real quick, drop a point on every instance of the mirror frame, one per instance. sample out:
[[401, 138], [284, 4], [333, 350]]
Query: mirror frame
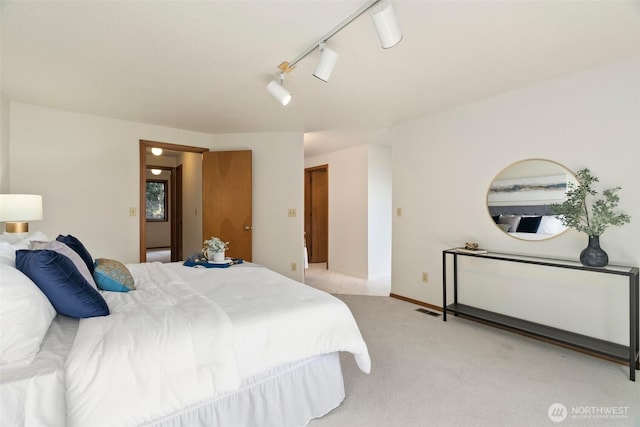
[[516, 192]]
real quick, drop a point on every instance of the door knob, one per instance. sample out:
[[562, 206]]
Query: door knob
[[248, 227]]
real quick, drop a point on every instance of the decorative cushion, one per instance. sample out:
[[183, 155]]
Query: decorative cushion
[[549, 224], [25, 316], [504, 227], [68, 252], [512, 220], [112, 275], [77, 246], [529, 224], [60, 280]]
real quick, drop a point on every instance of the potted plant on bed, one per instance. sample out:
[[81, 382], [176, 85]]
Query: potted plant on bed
[[214, 249], [584, 211]]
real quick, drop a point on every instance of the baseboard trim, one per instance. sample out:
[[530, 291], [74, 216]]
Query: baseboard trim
[[416, 302]]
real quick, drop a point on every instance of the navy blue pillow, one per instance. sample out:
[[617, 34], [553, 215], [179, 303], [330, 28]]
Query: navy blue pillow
[[59, 279], [529, 224], [77, 246]]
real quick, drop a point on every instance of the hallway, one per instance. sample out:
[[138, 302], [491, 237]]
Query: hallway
[[333, 282]]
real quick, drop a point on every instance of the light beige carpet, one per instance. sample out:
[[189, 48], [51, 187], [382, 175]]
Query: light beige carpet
[[159, 255], [334, 282], [460, 373]]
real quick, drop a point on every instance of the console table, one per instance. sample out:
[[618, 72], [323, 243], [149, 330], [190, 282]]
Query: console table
[[628, 354]]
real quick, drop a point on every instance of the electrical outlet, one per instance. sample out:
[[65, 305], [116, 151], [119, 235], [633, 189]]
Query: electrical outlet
[[292, 213], [132, 211], [425, 277], [294, 266]]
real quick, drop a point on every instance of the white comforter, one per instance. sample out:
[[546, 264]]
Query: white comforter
[[277, 320], [188, 334], [164, 347]]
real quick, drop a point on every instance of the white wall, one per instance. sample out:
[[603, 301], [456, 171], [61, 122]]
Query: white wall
[[278, 185], [4, 144], [87, 169], [348, 209], [192, 203], [443, 165], [380, 206], [359, 209], [4, 134]]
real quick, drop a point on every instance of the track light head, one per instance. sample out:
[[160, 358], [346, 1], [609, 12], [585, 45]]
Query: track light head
[[278, 91], [384, 19], [328, 59]]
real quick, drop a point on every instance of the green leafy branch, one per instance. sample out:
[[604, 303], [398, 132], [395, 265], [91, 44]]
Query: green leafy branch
[[583, 211]]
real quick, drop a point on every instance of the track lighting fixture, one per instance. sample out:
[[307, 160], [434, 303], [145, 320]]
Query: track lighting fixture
[[386, 26], [328, 59], [278, 91], [384, 19]]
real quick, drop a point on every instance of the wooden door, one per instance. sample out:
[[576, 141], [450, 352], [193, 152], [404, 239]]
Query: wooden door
[[316, 220], [227, 200]]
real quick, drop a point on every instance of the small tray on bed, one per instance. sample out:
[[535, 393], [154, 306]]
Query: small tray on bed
[[200, 262]]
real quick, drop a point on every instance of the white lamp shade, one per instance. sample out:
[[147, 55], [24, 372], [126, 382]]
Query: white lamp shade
[[20, 207], [384, 19], [278, 92], [328, 59]]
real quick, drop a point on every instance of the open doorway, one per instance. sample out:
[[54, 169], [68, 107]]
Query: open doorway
[[164, 208], [316, 216], [174, 162], [161, 213]]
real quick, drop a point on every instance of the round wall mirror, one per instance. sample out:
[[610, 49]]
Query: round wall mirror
[[520, 196]]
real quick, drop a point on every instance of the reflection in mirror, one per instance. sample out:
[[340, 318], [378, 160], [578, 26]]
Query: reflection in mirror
[[520, 196]]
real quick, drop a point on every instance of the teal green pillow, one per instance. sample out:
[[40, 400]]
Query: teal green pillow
[[111, 275]]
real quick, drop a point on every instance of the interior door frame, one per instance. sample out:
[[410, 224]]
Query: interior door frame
[[143, 146], [307, 213]]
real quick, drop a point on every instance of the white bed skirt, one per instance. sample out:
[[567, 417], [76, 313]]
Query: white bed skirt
[[287, 396]]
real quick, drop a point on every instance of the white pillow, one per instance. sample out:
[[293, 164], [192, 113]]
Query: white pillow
[[9, 245], [549, 224], [7, 254], [512, 220], [25, 316], [65, 250], [19, 241]]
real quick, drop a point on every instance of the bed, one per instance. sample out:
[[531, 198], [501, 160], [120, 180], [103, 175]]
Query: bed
[[527, 222], [189, 346]]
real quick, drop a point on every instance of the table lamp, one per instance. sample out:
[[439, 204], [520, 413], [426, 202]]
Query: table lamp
[[16, 210]]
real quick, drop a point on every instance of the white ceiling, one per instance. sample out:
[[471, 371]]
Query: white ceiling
[[204, 65]]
